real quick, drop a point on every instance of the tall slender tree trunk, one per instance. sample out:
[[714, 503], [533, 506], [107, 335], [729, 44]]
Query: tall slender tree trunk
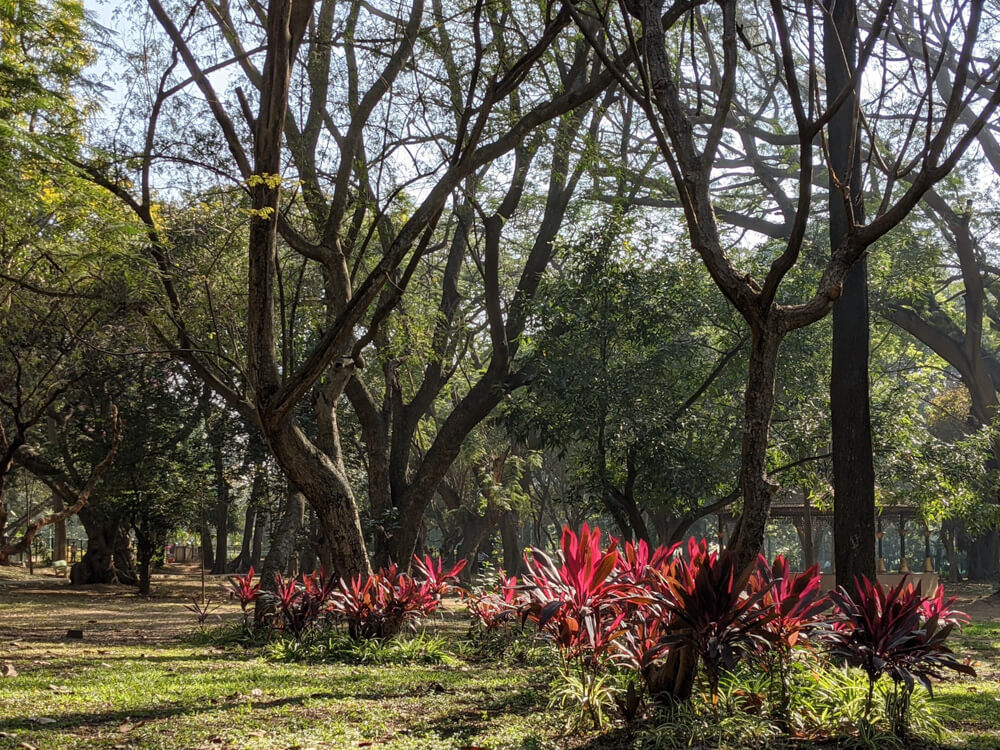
[[58, 529], [257, 545], [221, 503], [282, 545], [854, 521], [207, 551]]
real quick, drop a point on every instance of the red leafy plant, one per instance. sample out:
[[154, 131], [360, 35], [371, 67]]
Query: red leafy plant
[[713, 614], [574, 599], [896, 632], [244, 590], [491, 610], [795, 604], [437, 578], [383, 603]]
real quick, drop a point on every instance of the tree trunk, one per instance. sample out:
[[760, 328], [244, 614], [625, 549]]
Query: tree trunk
[[757, 490], [108, 558], [326, 488], [850, 402], [948, 539], [243, 561], [257, 546], [221, 504], [207, 551], [58, 529], [282, 546], [510, 536], [984, 556]]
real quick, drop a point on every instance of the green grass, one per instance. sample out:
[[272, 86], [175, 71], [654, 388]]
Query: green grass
[[192, 696], [132, 684], [971, 708]]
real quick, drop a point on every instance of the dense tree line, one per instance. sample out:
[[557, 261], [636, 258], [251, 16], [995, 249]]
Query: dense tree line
[[349, 280]]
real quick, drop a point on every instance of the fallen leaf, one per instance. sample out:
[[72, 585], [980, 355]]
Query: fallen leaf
[[256, 692], [7, 670], [43, 720], [61, 689]]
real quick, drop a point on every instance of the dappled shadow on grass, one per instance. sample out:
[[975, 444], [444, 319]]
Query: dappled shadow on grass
[[474, 711], [165, 710]]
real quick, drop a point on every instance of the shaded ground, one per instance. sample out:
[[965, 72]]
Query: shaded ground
[[132, 682]]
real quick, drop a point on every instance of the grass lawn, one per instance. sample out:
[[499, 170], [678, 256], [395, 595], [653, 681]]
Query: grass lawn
[[134, 682]]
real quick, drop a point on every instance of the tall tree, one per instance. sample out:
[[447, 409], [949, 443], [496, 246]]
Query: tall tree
[[351, 221], [674, 98], [850, 400]]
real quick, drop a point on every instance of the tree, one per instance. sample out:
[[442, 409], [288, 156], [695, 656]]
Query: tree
[[350, 222], [850, 401], [689, 143]]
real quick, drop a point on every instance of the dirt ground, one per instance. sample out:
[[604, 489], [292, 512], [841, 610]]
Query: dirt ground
[[106, 613], [109, 613]]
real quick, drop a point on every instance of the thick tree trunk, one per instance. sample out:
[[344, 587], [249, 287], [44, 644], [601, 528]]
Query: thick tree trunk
[[850, 402], [984, 556], [108, 558]]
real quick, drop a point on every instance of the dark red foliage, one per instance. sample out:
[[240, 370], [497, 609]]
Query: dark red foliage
[[575, 600], [383, 603], [896, 632], [434, 574], [243, 589], [712, 611], [794, 601], [636, 559], [492, 610]]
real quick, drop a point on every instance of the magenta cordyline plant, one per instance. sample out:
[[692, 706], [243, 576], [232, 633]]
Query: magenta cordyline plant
[[245, 591], [574, 599], [896, 632], [385, 602], [714, 615], [439, 580], [492, 610], [796, 604]]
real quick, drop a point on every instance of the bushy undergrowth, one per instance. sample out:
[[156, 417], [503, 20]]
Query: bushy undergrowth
[[728, 652], [679, 643]]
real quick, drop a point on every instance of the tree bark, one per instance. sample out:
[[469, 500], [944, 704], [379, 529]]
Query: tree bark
[[755, 486], [243, 561], [850, 401], [510, 536], [984, 556], [221, 504], [207, 551], [282, 546], [58, 529]]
